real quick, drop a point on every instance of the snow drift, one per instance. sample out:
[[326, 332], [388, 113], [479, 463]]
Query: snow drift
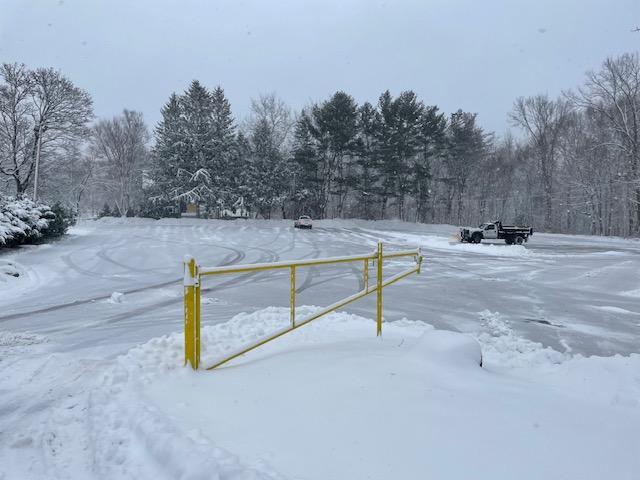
[[333, 401]]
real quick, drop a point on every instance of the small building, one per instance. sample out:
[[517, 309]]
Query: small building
[[191, 210], [238, 210]]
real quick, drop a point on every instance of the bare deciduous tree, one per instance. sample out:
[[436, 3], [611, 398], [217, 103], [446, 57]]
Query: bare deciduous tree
[[61, 112], [614, 92], [39, 111], [16, 135], [120, 146], [544, 120], [270, 110]]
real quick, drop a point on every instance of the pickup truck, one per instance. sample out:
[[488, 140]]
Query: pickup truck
[[496, 231], [303, 222]]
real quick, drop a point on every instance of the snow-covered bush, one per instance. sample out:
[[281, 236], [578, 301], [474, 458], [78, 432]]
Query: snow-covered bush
[[106, 211], [24, 221], [65, 217]]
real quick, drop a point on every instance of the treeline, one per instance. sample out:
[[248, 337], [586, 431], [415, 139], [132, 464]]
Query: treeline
[[337, 159], [573, 166]]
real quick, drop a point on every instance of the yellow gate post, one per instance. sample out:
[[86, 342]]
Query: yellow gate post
[[365, 274], [292, 296], [191, 313], [197, 319], [379, 292]]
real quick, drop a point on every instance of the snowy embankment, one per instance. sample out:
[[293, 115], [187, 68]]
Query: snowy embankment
[[333, 401]]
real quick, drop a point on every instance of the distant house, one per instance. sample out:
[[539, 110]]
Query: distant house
[[191, 210], [238, 210]]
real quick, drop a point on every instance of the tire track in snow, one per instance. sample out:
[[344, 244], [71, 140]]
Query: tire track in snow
[[230, 259], [270, 256]]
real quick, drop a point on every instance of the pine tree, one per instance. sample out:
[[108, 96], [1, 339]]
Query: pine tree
[[106, 211], [387, 163], [400, 141], [467, 146], [197, 172], [222, 138], [325, 140], [167, 158], [367, 158], [268, 168], [433, 136]]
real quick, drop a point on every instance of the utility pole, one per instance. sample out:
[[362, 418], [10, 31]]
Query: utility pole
[[38, 132]]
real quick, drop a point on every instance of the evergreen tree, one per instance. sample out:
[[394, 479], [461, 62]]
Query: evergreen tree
[[407, 142], [269, 173], [106, 211], [307, 175], [387, 163], [222, 138], [196, 172], [467, 146], [337, 122], [433, 135], [324, 142], [400, 141], [167, 158], [367, 159]]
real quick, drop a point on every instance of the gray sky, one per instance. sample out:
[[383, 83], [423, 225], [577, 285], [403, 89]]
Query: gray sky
[[477, 55]]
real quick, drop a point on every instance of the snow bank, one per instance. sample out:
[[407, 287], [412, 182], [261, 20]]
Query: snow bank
[[448, 244], [162, 355], [502, 346], [411, 404]]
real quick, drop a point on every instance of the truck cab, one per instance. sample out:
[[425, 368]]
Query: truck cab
[[489, 231]]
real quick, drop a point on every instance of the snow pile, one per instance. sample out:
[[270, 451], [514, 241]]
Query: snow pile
[[19, 339], [444, 243], [501, 346], [15, 343], [138, 430], [22, 221], [8, 272], [116, 297], [161, 355], [411, 404], [632, 293]]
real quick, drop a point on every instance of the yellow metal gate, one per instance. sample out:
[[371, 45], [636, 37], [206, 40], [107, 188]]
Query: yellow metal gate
[[193, 275]]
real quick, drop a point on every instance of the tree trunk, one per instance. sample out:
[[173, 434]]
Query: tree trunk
[[383, 207], [638, 210]]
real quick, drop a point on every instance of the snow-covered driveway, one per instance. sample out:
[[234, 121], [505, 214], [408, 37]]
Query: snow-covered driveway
[[110, 285]]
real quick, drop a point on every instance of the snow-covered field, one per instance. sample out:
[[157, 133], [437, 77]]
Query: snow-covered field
[[92, 384]]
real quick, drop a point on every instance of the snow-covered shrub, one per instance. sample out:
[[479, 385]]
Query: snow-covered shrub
[[64, 218], [106, 211], [24, 221]]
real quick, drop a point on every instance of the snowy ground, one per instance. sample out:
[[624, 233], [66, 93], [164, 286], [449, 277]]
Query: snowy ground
[[331, 401]]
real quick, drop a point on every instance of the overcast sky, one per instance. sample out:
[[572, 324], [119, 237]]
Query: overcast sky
[[477, 55]]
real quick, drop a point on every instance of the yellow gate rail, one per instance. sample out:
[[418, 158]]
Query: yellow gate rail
[[193, 278]]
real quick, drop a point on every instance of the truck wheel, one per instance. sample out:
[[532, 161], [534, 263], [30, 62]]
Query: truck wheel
[[476, 238], [519, 240]]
